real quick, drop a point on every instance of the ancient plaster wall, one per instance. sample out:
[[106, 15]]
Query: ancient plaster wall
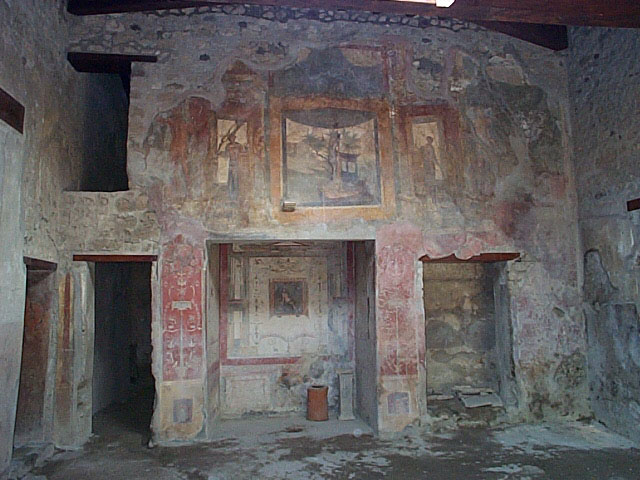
[[467, 130], [74, 356], [213, 335], [287, 324], [605, 86], [113, 222], [35, 397], [505, 361], [12, 284], [366, 378], [178, 340], [38, 165], [460, 326]]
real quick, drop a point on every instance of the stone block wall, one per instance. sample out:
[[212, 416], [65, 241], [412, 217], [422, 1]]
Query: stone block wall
[[605, 87], [36, 166]]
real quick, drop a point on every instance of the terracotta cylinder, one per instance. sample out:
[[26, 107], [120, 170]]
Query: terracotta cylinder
[[317, 407]]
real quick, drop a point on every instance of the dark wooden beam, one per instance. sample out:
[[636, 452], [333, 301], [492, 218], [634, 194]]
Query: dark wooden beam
[[40, 265], [554, 37], [115, 258], [605, 13], [11, 111], [106, 62], [100, 7], [633, 205], [482, 258]]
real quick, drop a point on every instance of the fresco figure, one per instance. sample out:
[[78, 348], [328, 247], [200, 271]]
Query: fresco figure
[[333, 165], [426, 156], [432, 168], [233, 151], [287, 306], [288, 298], [334, 154]]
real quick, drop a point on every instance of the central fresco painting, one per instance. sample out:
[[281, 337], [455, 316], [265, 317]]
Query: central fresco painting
[[331, 157]]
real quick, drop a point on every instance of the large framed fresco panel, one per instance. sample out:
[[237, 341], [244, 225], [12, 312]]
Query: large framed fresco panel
[[331, 157], [430, 140]]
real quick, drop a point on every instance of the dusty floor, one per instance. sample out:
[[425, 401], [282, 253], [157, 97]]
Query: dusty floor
[[293, 448]]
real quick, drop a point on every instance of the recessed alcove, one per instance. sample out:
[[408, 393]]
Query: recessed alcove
[[283, 315], [468, 335]]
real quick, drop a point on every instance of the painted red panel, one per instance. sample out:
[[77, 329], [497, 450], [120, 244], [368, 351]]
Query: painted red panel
[[35, 352], [182, 338], [397, 249]]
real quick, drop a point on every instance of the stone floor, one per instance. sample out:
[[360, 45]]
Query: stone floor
[[293, 448]]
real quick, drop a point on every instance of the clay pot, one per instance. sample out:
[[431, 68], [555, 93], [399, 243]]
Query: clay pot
[[317, 407]]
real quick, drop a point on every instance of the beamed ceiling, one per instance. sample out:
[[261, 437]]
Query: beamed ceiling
[[542, 22]]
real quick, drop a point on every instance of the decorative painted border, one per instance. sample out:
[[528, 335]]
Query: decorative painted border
[[319, 214], [225, 249]]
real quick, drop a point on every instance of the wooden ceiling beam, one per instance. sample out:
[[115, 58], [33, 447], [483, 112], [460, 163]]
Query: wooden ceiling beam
[[114, 258], [11, 111], [621, 13], [35, 264], [555, 37], [106, 62]]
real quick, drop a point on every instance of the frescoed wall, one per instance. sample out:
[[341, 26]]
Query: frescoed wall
[[287, 316], [431, 138]]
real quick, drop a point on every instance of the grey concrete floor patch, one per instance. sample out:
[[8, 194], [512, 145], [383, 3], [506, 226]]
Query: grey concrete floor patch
[[261, 448], [533, 438]]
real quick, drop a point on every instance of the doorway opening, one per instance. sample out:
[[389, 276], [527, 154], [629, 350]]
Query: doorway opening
[[106, 97], [35, 394], [285, 315], [123, 389], [469, 355]]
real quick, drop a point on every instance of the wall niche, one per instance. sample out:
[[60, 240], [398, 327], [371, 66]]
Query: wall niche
[[469, 359]]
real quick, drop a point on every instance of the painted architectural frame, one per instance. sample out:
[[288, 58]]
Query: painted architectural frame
[[431, 142], [332, 157]]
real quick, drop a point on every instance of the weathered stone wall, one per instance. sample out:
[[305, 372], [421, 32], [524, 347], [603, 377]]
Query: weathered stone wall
[[36, 166], [366, 378], [109, 222], [460, 324], [466, 150], [12, 284], [35, 398], [212, 381], [604, 70]]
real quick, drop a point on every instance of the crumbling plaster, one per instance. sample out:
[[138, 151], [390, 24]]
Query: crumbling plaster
[[35, 168], [508, 184], [605, 86]]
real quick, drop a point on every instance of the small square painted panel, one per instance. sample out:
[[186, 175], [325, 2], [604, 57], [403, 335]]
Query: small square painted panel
[[288, 297]]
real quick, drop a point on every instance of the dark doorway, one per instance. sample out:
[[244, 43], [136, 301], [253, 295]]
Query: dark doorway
[[123, 386], [34, 394]]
